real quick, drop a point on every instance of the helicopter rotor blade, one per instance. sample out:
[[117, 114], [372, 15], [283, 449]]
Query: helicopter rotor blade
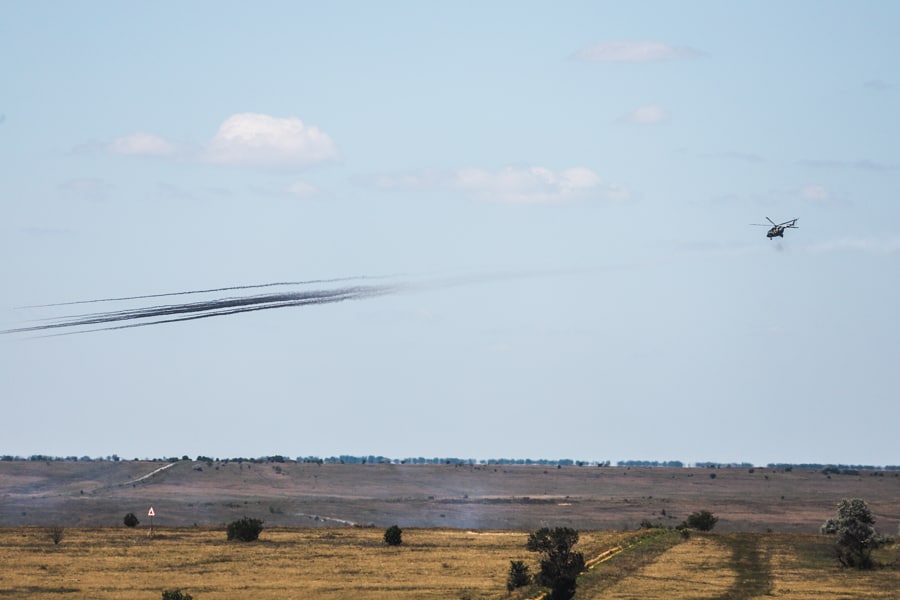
[[771, 221]]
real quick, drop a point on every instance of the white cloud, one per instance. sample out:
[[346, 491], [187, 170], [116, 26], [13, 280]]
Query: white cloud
[[141, 144], [535, 185], [646, 115], [260, 140], [301, 189], [634, 52], [247, 139]]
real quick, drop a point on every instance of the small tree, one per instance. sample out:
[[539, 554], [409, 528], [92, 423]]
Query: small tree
[[518, 575], [701, 520], [245, 529], [855, 534], [560, 565], [176, 595], [56, 534], [131, 520], [393, 536]]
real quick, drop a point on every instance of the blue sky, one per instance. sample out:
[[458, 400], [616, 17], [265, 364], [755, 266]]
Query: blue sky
[[557, 195]]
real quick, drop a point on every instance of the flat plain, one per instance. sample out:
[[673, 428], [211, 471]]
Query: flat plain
[[352, 562], [188, 493], [461, 526]]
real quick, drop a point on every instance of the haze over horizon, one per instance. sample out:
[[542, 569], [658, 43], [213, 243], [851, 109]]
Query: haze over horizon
[[513, 229]]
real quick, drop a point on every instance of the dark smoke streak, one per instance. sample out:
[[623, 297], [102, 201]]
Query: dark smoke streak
[[189, 311], [173, 313], [209, 291]]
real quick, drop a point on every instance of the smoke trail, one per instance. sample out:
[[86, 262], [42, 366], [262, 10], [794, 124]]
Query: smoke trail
[[187, 311], [171, 313], [210, 290]]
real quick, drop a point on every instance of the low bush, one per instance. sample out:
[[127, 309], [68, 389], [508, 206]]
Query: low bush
[[393, 536], [701, 520], [56, 534], [245, 529], [518, 575]]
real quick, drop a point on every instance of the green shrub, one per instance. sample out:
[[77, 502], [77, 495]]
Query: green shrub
[[176, 595], [560, 564], [518, 575], [131, 520], [245, 529], [855, 534], [393, 536]]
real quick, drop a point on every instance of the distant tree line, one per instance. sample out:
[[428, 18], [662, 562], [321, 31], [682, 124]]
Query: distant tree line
[[371, 459], [833, 468], [46, 458], [650, 463]]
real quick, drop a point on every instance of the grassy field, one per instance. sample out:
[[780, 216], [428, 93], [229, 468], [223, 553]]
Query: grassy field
[[739, 566], [317, 563]]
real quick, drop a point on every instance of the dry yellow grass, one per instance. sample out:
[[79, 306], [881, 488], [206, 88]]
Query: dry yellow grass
[[737, 566], [125, 564], [795, 557], [693, 570]]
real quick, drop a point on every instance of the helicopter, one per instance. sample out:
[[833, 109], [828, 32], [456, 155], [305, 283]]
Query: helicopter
[[777, 229]]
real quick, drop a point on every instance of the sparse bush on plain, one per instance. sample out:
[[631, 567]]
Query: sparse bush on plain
[[131, 520], [246, 529], [702, 520], [393, 536], [648, 524], [56, 534], [518, 575], [176, 595], [855, 534]]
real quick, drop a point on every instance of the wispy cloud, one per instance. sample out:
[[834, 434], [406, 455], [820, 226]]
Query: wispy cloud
[[650, 114], [635, 52], [513, 185], [142, 144], [871, 245], [748, 157], [245, 139], [301, 189], [815, 193], [878, 85], [87, 188], [862, 164]]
